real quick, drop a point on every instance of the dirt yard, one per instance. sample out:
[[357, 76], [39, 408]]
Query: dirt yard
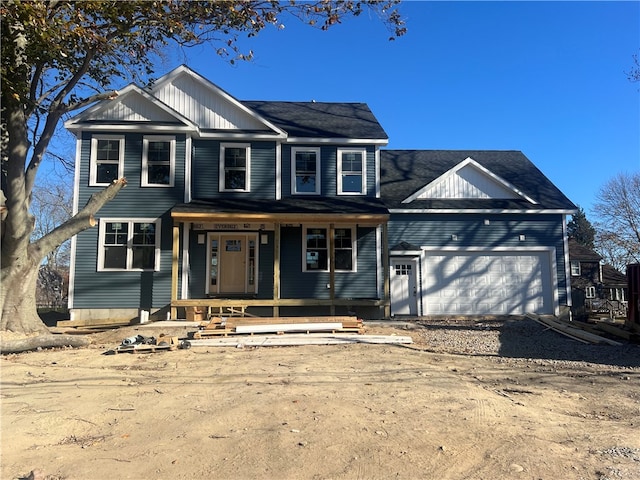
[[501, 400]]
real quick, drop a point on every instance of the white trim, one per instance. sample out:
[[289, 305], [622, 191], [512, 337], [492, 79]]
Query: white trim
[[481, 210], [294, 173], [567, 267], [184, 291], [278, 171], [74, 239], [470, 161], [247, 173], [129, 260], [187, 169], [183, 69], [377, 170], [305, 228], [339, 141], [93, 162], [363, 188], [551, 251], [131, 89], [227, 134], [354, 248], [144, 177]]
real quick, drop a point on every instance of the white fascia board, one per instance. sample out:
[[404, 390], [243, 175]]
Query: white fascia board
[[404, 253], [481, 210], [138, 128], [184, 70], [241, 135], [338, 141], [488, 249], [472, 162], [75, 122]]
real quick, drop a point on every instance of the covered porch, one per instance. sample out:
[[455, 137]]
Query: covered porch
[[215, 225]]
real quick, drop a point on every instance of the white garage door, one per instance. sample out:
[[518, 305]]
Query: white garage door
[[487, 283]]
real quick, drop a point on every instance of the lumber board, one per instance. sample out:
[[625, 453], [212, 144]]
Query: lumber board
[[301, 339], [288, 327], [572, 332], [143, 348], [97, 323], [617, 331]]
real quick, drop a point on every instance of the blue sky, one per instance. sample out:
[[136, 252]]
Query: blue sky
[[546, 78]]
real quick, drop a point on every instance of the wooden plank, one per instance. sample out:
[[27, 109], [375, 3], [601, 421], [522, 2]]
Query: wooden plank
[[272, 320], [304, 339], [144, 348], [572, 332], [288, 327], [102, 322], [617, 331]]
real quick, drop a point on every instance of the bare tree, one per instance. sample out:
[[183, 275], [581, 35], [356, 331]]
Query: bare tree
[[618, 220]]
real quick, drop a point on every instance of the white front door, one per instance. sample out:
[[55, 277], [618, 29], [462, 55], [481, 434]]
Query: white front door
[[403, 286]]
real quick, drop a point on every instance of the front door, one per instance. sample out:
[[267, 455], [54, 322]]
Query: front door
[[233, 264], [403, 286]]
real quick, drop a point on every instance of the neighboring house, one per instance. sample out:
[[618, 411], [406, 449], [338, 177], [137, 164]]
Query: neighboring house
[[596, 287], [291, 208]]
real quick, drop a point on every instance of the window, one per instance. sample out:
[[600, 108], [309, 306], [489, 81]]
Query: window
[[590, 292], [351, 172], [344, 251], [316, 249], [234, 167], [158, 161], [305, 171], [129, 245], [403, 269], [107, 159], [575, 268]]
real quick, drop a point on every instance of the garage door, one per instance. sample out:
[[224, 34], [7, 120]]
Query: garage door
[[487, 283]]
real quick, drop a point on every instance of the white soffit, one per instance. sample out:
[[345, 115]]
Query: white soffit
[[130, 105], [468, 180], [207, 105]]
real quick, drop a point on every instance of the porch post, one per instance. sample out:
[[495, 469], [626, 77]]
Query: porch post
[[332, 269], [385, 269], [276, 269], [174, 269]]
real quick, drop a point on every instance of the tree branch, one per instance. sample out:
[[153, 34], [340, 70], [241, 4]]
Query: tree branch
[[82, 220]]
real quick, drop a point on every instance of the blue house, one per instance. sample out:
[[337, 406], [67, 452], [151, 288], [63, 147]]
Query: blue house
[[294, 208]]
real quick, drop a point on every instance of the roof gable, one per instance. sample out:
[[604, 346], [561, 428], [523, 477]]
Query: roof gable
[[468, 180], [130, 105], [206, 104]]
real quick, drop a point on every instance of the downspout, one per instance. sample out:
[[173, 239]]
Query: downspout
[[567, 266]]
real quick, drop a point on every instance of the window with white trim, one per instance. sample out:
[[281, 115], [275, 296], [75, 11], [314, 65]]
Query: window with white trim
[[235, 161], [575, 268], [129, 245], [316, 249], [352, 171], [158, 161], [107, 159], [305, 171], [590, 292]]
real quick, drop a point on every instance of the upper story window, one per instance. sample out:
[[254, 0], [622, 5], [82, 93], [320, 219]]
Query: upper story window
[[352, 171], [107, 159], [158, 161], [235, 161], [575, 268], [590, 292], [305, 171], [317, 254], [129, 244]]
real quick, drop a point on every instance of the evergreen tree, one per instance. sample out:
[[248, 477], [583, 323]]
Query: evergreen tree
[[581, 230]]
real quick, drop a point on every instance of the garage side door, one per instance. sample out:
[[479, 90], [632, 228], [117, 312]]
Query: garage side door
[[487, 283]]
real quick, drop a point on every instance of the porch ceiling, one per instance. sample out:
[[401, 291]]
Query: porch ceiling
[[290, 210]]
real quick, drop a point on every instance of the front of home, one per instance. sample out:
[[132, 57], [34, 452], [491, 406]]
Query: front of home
[[294, 208]]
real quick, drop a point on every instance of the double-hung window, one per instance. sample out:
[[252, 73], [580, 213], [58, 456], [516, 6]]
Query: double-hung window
[[305, 171], [158, 161], [316, 250], [107, 159], [129, 244], [575, 268], [235, 161], [352, 173]]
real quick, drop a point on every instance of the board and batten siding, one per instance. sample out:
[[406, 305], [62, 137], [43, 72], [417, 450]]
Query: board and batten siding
[[127, 289], [503, 230], [206, 163]]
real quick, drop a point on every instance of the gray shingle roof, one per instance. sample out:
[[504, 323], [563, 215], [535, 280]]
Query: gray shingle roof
[[403, 172], [321, 120]]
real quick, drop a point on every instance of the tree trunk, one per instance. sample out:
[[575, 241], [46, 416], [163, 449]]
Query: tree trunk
[[19, 313]]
